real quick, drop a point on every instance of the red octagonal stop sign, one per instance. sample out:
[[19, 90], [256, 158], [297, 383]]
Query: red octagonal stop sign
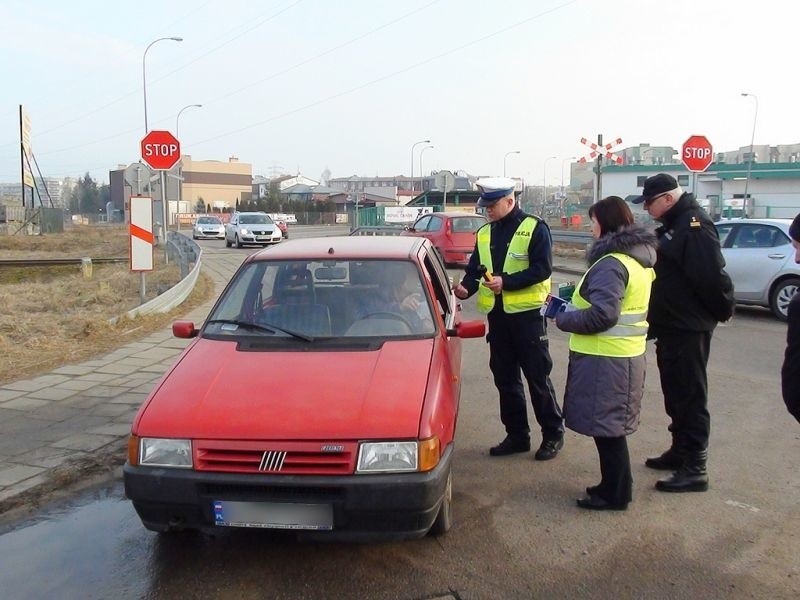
[[161, 150], [697, 153]]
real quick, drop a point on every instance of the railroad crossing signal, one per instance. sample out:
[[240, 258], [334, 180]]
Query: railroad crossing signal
[[602, 150]]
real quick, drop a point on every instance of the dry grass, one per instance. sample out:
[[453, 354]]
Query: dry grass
[[55, 316]]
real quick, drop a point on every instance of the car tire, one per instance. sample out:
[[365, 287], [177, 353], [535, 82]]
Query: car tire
[[781, 295], [236, 242], [227, 243], [444, 518]]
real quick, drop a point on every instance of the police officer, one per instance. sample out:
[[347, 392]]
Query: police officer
[[691, 294], [510, 270]]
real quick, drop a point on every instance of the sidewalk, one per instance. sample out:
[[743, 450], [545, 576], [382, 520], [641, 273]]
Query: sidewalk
[[74, 421]]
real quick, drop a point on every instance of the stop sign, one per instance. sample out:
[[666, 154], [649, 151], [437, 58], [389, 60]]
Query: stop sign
[[161, 150], [697, 153]]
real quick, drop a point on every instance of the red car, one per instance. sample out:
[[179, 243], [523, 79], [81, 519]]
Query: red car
[[451, 233], [321, 394]]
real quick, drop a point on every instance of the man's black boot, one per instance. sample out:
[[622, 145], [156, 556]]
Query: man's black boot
[[690, 477], [671, 460], [510, 446]]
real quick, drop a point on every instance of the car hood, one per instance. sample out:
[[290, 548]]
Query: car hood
[[217, 392]]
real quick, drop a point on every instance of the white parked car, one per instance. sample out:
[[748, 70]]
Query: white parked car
[[208, 227], [759, 258], [251, 228]]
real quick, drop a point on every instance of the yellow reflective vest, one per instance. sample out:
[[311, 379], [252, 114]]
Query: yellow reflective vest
[[517, 259], [628, 337]]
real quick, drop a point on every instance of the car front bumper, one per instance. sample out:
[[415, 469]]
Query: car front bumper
[[379, 506]]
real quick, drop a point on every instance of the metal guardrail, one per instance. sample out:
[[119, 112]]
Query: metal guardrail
[[572, 237], [55, 262]]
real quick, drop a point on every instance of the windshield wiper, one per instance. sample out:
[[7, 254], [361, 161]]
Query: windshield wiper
[[268, 327]]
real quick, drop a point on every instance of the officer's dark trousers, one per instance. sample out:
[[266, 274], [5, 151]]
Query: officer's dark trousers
[[616, 485], [682, 361], [518, 342]]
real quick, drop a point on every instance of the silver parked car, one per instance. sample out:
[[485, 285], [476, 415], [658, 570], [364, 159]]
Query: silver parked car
[[208, 227], [760, 259], [251, 228]]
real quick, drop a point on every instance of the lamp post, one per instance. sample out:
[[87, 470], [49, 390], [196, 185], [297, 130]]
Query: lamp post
[[414, 145], [749, 162], [421, 152], [146, 130], [177, 118], [144, 74], [544, 180], [180, 162], [562, 169], [505, 157]]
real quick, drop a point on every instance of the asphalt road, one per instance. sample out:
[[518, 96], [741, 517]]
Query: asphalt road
[[517, 531]]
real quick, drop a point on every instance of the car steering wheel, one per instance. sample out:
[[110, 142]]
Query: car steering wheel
[[390, 315]]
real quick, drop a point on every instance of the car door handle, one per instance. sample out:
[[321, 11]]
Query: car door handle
[[776, 256]]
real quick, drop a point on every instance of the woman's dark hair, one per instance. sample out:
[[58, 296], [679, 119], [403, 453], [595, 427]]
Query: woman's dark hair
[[611, 213]]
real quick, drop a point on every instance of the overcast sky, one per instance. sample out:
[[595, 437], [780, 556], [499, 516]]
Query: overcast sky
[[351, 85]]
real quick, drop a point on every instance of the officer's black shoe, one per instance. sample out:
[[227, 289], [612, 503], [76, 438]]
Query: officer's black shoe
[[593, 502], [549, 449], [690, 477], [671, 460], [510, 446]]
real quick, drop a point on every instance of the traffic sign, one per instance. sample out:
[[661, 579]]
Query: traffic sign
[[161, 150], [697, 153]]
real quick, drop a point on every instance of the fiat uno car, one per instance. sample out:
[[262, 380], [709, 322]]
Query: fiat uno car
[[451, 233], [321, 395]]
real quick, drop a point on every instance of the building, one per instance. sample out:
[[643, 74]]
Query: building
[[218, 184]]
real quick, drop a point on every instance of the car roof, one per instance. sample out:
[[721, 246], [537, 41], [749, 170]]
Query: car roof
[[252, 212], [456, 214], [784, 223], [350, 247]]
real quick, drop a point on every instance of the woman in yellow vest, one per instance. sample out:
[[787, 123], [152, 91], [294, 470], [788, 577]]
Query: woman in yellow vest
[[608, 322]]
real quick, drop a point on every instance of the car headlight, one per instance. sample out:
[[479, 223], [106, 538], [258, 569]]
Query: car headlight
[[159, 452], [244, 231], [398, 456]]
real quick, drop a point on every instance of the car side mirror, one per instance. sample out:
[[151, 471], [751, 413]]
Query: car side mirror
[[468, 329], [184, 329]]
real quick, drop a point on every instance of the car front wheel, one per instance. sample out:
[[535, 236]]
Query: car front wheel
[[444, 519], [236, 242], [781, 296]]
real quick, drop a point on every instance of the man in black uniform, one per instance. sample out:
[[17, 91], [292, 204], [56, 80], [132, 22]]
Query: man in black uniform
[[790, 371], [510, 270], [691, 294]]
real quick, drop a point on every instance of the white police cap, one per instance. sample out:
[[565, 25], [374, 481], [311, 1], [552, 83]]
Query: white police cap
[[494, 188]]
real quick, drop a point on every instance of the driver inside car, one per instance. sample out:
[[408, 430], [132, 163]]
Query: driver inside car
[[397, 292]]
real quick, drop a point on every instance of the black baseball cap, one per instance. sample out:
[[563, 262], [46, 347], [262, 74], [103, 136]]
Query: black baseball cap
[[655, 185]]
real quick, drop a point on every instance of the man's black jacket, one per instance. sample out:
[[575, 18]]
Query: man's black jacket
[[692, 291]]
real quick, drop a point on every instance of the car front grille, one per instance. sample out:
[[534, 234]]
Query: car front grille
[[275, 458]]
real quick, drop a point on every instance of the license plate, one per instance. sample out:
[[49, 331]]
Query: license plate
[[262, 237], [273, 515]]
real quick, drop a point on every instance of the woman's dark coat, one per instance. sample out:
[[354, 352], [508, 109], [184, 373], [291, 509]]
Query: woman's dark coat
[[604, 394]]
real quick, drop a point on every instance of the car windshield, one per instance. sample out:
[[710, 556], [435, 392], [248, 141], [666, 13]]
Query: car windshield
[[208, 221], [254, 220], [467, 224], [330, 299]]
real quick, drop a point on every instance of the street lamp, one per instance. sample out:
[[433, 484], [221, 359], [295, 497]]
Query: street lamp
[[504, 160], [544, 180], [144, 77], [414, 145], [180, 162], [562, 169], [749, 162], [177, 118], [421, 152]]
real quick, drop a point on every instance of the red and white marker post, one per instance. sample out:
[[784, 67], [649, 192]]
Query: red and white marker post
[[141, 239]]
